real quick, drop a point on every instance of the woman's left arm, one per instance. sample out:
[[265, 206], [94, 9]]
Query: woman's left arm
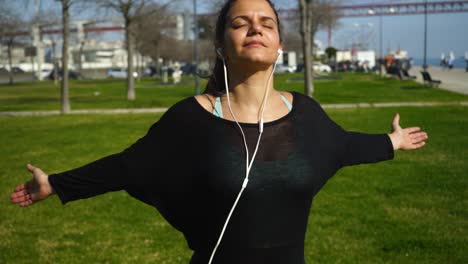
[[406, 138], [361, 148]]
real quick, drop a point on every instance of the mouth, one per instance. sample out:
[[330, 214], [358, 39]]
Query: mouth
[[254, 43]]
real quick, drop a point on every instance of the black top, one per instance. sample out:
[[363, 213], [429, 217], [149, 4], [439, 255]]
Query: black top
[[191, 165]]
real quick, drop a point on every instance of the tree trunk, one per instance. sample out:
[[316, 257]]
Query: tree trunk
[[54, 62], [307, 44], [80, 59], [10, 63], [66, 31], [130, 80]]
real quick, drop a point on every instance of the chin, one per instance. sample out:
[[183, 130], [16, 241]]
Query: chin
[[257, 59]]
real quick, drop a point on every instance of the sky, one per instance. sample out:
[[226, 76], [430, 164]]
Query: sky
[[446, 32]]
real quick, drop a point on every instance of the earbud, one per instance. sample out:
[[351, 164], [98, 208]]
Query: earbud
[[280, 51], [220, 52]]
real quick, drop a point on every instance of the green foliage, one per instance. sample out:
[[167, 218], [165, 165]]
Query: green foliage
[[331, 52]]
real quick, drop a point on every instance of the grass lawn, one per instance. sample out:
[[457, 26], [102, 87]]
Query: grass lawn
[[97, 94], [408, 210]]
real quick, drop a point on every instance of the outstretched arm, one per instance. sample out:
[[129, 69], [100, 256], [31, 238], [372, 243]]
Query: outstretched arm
[[406, 138], [33, 191]]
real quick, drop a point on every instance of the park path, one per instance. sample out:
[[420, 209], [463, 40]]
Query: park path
[[162, 110], [455, 80]]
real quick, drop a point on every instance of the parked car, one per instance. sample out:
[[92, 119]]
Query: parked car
[[44, 74], [320, 67], [149, 71], [71, 75], [281, 68], [317, 66], [17, 70], [188, 69], [119, 73]]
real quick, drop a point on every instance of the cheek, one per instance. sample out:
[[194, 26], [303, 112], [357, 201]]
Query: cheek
[[232, 42]]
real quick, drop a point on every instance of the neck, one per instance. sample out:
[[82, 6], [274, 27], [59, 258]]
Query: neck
[[247, 86]]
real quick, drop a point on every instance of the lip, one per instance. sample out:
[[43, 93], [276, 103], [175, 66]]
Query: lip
[[254, 43]]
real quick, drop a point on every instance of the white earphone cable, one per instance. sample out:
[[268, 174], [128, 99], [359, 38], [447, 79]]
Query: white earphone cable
[[249, 163]]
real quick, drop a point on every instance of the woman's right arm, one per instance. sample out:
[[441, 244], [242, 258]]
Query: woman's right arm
[[143, 165], [34, 190]]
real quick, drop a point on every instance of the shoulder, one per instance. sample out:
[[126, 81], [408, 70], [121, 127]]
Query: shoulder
[[206, 101], [305, 102], [181, 110]]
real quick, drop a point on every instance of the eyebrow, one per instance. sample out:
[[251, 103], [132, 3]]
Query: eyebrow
[[263, 18]]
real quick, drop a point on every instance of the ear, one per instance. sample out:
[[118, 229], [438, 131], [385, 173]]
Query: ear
[[280, 49]]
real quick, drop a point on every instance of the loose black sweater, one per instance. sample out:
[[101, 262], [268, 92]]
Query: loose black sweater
[[191, 164]]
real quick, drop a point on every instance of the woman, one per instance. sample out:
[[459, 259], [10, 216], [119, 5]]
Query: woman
[[204, 182]]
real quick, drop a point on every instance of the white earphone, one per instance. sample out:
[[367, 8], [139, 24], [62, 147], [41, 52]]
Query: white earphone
[[249, 162]]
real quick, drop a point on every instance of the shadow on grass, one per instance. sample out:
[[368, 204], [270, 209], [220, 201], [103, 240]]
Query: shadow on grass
[[319, 78], [414, 87]]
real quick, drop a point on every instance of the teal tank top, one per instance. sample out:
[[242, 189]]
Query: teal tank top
[[218, 110]]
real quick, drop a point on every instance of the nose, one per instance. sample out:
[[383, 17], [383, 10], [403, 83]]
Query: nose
[[255, 29]]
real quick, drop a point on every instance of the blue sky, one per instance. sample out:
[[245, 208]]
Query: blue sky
[[446, 32]]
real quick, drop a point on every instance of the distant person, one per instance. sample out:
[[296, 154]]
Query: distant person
[[450, 60], [466, 61], [177, 74], [443, 61], [241, 135]]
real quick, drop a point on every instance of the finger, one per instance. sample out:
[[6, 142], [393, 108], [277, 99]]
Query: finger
[[412, 129], [19, 194], [21, 199], [30, 167], [20, 187], [396, 121], [420, 135], [34, 170], [26, 203], [418, 145]]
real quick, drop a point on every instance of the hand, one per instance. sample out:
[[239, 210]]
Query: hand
[[406, 138], [34, 190]]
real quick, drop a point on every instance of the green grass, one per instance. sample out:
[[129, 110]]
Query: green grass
[[408, 210], [103, 94]]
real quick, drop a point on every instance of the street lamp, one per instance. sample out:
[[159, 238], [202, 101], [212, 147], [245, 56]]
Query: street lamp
[[195, 46], [425, 35], [372, 12]]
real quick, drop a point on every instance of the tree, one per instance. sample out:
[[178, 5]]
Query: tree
[[313, 15], [154, 18], [130, 10], [65, 98], [10, 24], [331, 52]]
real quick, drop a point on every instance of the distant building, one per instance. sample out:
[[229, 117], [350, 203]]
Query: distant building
[[359, 56]]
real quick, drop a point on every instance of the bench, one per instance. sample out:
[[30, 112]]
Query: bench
[[428, 81]]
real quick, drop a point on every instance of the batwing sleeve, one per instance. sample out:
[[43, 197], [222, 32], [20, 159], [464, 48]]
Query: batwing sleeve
[[353, 148], [141, 169]]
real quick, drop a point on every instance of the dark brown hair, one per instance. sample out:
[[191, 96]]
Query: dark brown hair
[[216, 86]]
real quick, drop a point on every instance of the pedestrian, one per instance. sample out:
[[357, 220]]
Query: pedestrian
[[443, 61], [236, 168], [450, 60], [466, 61]]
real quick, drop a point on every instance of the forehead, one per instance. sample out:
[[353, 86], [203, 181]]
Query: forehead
[[251, 8]]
